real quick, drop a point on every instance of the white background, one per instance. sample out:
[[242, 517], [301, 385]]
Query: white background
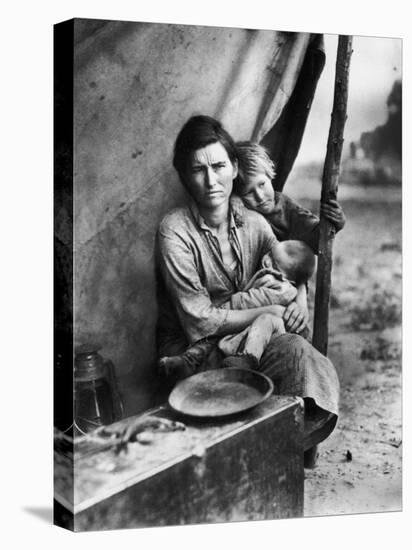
[[26, 272]]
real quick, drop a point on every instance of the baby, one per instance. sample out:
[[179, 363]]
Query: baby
[[297, 229], [290, 264]]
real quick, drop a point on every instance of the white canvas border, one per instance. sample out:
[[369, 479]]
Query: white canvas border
[[26, 228]]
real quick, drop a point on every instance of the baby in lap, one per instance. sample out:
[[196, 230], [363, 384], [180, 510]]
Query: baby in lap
[[290, 265]]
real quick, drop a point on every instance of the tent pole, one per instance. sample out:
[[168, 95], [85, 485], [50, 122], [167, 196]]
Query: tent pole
[[329, 191]]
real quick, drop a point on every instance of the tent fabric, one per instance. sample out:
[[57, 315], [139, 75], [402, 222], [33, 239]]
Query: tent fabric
[[284, 138], [135, 84]]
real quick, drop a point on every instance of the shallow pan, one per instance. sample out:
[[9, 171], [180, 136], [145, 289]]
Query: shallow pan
[[220, 392]]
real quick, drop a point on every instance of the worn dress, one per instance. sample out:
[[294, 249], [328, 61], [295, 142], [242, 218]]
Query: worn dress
[[194, 283]]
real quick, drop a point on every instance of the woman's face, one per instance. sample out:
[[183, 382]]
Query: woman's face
[[210, 175], [258, 193]]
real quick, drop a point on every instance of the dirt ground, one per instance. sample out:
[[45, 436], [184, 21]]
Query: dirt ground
[[359, 467]]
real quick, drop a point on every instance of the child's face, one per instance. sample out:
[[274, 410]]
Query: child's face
[[258, 193]]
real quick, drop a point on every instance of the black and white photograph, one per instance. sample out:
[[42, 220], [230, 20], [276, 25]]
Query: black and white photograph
[[205, 274], [228, 274]]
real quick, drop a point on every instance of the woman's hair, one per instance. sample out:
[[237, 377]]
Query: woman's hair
[[198, 132], [252, 159]]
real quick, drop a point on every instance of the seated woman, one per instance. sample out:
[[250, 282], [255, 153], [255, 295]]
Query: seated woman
[[208, 251], [292, 264]]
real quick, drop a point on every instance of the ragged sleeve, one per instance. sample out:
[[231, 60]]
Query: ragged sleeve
[[303, 224]]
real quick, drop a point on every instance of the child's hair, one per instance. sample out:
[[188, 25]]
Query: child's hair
[[296, 260], [252, 159]]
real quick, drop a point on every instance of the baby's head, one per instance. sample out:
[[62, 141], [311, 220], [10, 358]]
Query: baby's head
[[296, 260], [254, 181]]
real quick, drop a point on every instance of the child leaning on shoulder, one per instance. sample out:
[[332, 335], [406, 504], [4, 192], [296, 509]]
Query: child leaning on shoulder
[[297, 229], [288, 219]]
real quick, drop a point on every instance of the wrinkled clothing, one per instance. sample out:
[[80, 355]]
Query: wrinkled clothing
[[297, 368], [290, 220], [252, 297], [195, 283], [195, 286], [252, 341]]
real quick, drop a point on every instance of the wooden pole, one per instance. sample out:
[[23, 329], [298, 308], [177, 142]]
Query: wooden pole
[[329, 191]]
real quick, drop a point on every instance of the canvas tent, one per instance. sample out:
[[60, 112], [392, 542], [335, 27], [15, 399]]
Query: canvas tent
[[135, 84]]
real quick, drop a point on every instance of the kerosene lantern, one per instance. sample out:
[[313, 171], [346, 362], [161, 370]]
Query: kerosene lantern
[[97, 400]]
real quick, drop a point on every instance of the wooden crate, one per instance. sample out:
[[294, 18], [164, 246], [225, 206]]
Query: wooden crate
[[247, 468]]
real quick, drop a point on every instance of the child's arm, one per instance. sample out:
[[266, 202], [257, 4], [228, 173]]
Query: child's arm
[[333, 212], [304, 225]]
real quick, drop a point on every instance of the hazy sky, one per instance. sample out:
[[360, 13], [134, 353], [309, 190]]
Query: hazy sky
[[375, 65]]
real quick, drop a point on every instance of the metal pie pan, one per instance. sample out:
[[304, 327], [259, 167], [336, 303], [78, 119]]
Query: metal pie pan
[[220, 392]]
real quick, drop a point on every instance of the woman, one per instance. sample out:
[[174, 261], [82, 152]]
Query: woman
[[209, 250]]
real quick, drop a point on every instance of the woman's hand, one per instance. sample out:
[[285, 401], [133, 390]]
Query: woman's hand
[[295, 318], [333, 212]]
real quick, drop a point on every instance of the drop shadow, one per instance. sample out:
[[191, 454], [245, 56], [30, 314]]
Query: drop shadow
[[44, 513]]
